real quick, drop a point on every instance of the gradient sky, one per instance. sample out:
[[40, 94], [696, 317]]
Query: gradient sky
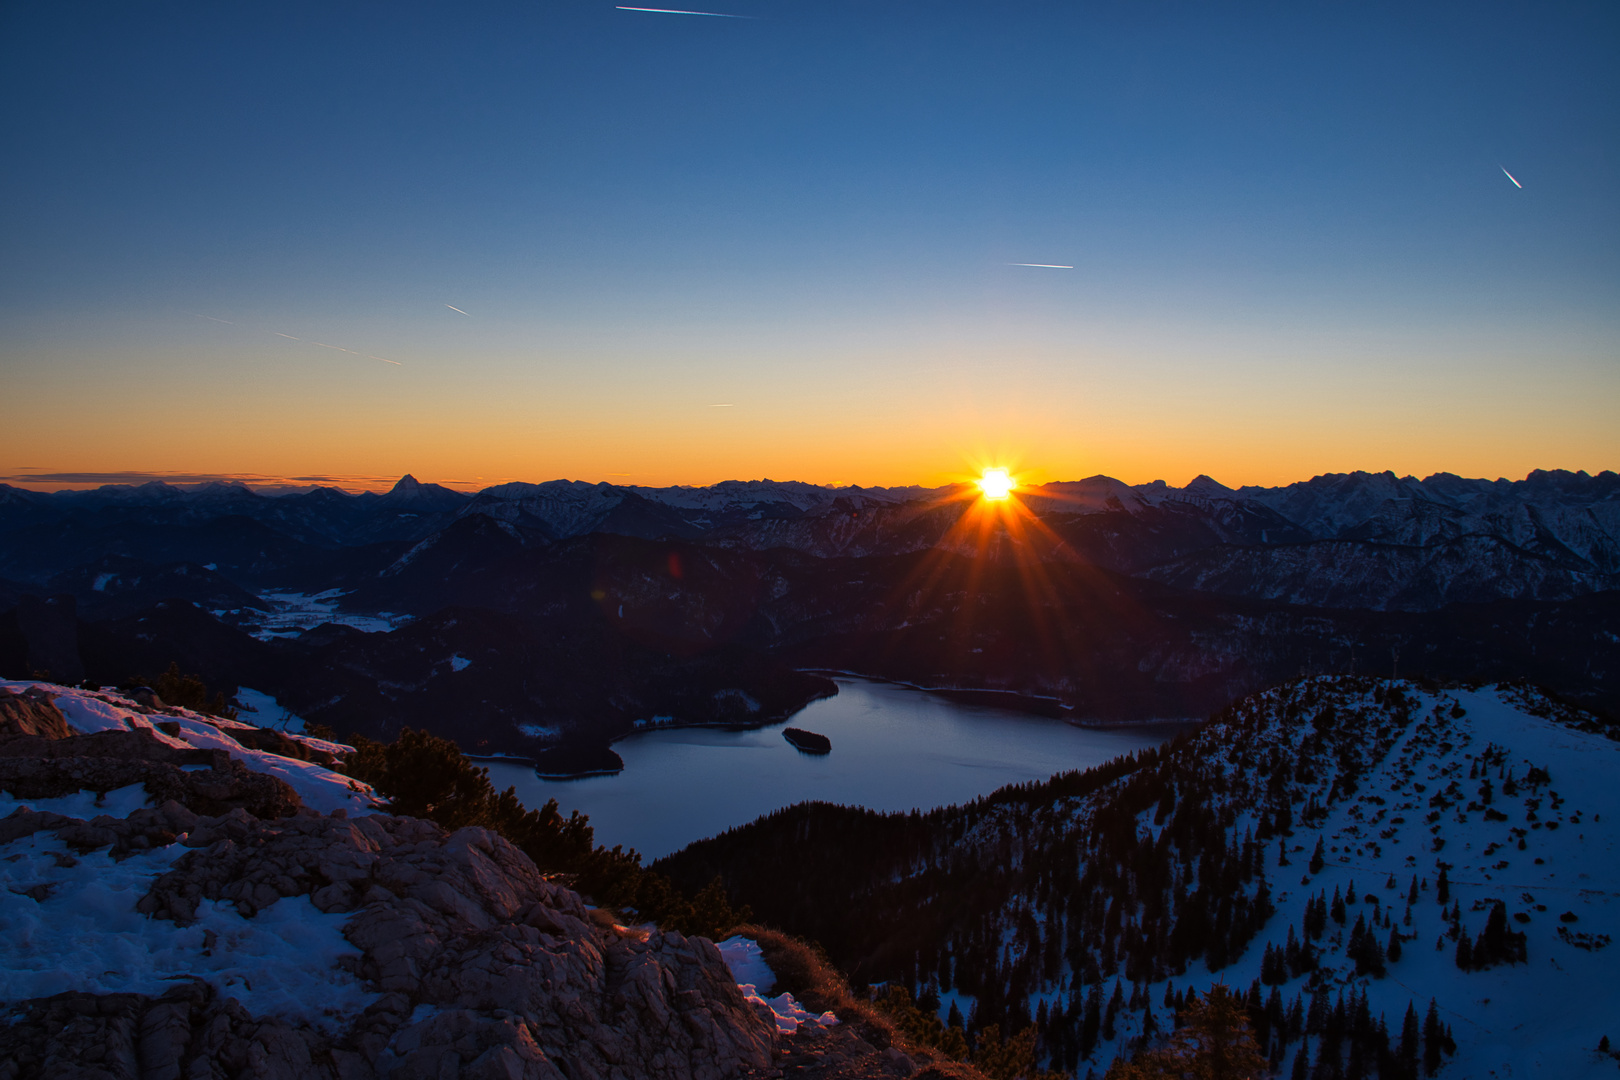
[[1294, 249]]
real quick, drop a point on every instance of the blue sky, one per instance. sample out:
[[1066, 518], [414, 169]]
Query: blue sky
[[1293, 246]]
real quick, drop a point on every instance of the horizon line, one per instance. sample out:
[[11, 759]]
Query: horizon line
[[43, 482]]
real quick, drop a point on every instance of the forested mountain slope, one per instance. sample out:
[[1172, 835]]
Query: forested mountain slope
[[1341, 849]]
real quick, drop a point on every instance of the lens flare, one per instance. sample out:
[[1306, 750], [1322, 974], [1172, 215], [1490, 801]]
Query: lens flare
[[996, 484]]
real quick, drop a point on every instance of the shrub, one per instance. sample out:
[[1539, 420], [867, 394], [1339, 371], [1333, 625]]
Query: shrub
[[184, 691], [422, 775]]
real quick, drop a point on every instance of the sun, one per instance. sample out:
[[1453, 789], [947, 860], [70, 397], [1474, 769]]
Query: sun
[[996, 484]]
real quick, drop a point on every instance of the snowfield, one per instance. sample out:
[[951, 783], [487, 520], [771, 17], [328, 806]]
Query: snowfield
[[83, 933], [291, 613], [1541, 1019], [1513, 807]]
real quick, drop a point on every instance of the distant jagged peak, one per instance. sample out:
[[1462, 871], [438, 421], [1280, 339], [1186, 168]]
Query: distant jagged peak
[[409, 491], [1204, 486]]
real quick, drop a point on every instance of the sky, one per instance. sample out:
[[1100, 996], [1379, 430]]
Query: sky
[[481, 242]]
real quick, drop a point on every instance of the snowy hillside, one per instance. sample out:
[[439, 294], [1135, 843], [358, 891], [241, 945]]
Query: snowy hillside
[[1089, 904], [1512, 808]]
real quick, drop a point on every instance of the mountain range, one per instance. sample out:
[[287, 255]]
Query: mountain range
[[546, 619]]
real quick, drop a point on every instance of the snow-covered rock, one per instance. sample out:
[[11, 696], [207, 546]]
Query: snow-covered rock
[[756, 980], [164, 942], [294, 759]]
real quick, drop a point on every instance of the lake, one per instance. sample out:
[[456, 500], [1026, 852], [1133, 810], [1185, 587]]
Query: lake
[[893, 748]]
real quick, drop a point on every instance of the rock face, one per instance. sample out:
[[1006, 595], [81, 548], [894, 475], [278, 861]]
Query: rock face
[[45, 766], [31, 712], [483, 968]]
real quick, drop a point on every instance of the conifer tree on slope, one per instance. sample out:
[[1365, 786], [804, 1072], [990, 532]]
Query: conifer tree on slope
[[1213, 1042]]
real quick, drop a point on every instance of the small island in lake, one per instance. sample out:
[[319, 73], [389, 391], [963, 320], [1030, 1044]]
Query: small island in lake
[[808, 741]]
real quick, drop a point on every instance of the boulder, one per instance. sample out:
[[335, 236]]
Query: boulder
[[32, 712]]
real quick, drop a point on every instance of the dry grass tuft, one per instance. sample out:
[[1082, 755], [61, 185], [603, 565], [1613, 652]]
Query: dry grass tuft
[[804, 971]]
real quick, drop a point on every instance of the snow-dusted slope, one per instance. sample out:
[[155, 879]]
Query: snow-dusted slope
[[1551, 848], [321, 789], [1093, 903], [1402, 784], [1381, 576], [1557, 514]]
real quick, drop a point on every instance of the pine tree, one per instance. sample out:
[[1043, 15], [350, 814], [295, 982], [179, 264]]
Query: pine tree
[[1393, 949], [1411, 1039], [1317, 857], [1442, 888], [1412, 893], [1302, 1062], [1115, 1003], [1496, 943], [1213, 1042], [1091, 1024], [1296, 1018], [1433, 1039]]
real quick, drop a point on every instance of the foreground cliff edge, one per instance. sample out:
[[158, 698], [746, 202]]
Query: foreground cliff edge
[[169, 911]]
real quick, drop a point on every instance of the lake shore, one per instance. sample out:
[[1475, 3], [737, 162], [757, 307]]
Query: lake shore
[[681, 784]]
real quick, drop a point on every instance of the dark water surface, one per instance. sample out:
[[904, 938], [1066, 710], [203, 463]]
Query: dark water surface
[[893, 748]]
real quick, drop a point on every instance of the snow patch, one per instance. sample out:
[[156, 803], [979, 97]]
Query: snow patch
[[267, 711], [86, 935], [118, 803], [459, 663], [320, 788], [756, 979], [291, 613], [747, 963]]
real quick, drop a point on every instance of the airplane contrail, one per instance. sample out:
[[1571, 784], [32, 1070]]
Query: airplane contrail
[[1044, 266], [672, 11], [727, 405], [322, 344], [453, 307], [1510, 177]]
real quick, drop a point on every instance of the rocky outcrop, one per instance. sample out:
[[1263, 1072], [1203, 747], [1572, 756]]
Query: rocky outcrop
[[32, 712], [483, 968], [188, 1032], [206, 781]]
